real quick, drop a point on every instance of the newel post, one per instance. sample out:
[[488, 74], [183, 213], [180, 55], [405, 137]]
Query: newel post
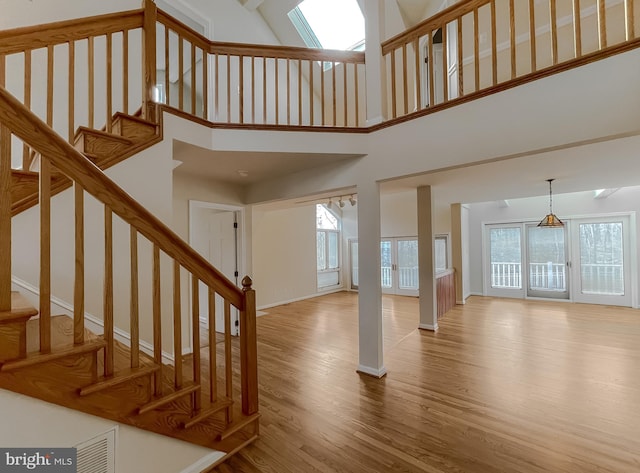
[[249, 350], [149, 59]]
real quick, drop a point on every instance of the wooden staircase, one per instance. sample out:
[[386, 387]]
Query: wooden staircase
[[69, 375], [129, 135]]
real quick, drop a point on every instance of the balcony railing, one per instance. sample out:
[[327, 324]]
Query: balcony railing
[[547, 276], [506, 275]]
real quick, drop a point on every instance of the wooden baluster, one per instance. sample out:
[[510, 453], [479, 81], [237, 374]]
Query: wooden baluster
[[109, 83], [149, 58], [494, 45], [288, 92], [78, 290], [577, 29], [177, 325], [553, 20], [311, 93], [394, 107], [167, 64], [602, 24], [108, 292], [205, 85], [228, 88], [26, 150], [50, 59], [629, 20], [213, 363], [476, 49], [253, 89], [228, 376], [276, 82], [241, 87], [180, 73], [345, 96], [195, 322], [322, 97], [91, 76], [125, 71], [216, 93], [333, 91], [418, 66], [299, 92], [5, 210], [405, 82], [45, 255], [460, 60], [532, 34], [71, 91], [431, 74], [157, 321], [134, 315], [445, 65], [512, 37], [264, 90], [249, 350], [357, 95], [193, 79]]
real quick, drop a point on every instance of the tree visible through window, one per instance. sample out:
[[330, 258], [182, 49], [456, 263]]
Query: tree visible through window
[[327, 247]]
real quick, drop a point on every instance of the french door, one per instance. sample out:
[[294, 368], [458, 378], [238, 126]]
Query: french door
[[547, 262], [399, 266]]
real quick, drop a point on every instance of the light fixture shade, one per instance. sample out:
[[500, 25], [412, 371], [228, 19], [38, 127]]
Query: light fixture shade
[[551, 221], [341, 203], [352, 201]]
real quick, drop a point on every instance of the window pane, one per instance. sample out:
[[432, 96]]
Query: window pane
[[325, 220], [547, 260], [321, 249], [601, 258], [506, 258], [407, 264], [354, 264], [337, 24], [333, 250], [441, 253], [385, 264]]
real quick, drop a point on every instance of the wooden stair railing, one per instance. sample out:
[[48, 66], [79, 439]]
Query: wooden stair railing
[[204, 401], [476, 47]]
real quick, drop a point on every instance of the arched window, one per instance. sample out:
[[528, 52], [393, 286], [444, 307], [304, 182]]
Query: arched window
[[328, 247]]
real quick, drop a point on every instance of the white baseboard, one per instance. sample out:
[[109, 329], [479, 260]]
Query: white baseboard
[[204, 463], [377, 373], [298, 299], [430, 327], [94, 324]]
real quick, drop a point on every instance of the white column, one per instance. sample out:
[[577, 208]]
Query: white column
[[376, 78], [456, 250], [369, 289], [428, 300]]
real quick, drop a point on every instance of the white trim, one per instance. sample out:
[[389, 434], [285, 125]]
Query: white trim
[[429, 327], [298, 299], [376, 373], [375, 120], [205, 462], [96, 325]]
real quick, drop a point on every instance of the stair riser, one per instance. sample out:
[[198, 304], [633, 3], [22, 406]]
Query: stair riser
[[118, 402], [132, 129], [14, 340], [100, 146]]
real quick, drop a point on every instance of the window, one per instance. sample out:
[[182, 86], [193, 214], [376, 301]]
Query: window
[[327, 247], [330, 24], [442, 253]]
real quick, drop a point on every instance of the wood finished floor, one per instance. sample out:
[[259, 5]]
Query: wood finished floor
[[503, 386]]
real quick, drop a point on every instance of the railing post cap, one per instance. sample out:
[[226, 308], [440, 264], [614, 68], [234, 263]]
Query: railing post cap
[[246, 283]]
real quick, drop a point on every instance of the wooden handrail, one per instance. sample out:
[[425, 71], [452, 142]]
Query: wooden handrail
[[28, 127], [22, 39]]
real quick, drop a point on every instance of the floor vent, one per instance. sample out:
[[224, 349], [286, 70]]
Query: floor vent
[[98, 455]]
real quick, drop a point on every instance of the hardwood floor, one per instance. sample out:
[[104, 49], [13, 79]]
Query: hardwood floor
[[503, 386]]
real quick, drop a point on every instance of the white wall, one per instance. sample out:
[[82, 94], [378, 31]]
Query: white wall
[[136, 450], [577, 204]]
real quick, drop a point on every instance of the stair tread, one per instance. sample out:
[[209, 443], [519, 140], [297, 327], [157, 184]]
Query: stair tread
[[91, 131], [25, 173], [61, 333], [55, 354], [121, 115], [21, 308], [119, 377], [187, 388]]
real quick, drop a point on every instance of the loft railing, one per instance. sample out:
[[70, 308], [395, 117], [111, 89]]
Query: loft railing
[[169, 262], [478, 46]]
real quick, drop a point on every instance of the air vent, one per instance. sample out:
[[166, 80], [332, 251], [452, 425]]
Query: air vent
[[98, 455]]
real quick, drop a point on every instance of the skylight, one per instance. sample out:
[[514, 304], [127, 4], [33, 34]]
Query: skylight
[[330, 24]]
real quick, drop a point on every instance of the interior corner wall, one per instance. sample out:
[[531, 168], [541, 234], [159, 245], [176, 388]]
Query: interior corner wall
[[532, 209], [284, 254]]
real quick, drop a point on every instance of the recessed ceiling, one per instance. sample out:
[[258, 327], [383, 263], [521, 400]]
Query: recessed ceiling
[[245, 168]]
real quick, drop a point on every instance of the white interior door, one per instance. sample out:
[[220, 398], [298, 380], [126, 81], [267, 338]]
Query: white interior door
[[601, 261], [399, 266]]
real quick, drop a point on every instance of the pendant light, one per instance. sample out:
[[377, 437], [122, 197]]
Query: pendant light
[[551, 220]]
